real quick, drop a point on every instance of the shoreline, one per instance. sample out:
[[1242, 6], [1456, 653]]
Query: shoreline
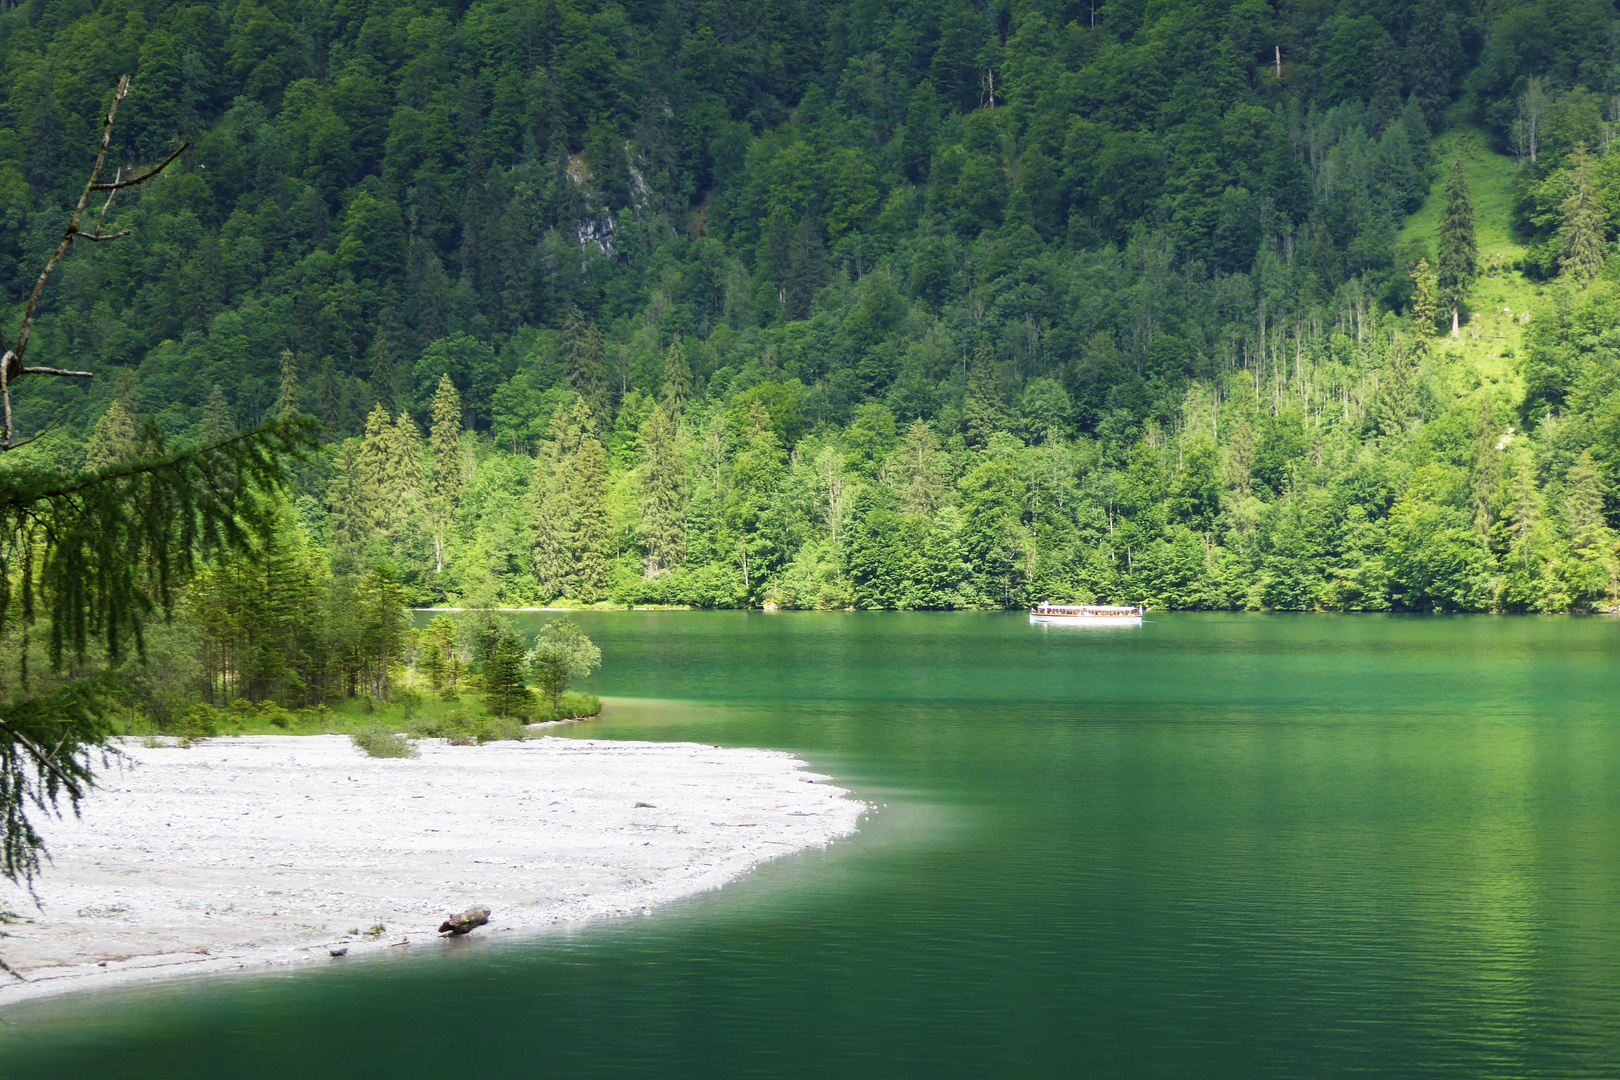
[[266, 851]]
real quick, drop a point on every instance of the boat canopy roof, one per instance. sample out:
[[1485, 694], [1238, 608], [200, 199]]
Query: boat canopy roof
[[1086, 609]]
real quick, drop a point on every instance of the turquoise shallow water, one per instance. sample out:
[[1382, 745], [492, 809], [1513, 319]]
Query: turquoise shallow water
[[1214, 846]]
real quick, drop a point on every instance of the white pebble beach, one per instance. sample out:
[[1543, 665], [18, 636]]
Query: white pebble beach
[[240, 852]]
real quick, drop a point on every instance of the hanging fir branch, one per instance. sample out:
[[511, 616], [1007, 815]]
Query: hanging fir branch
[[89, 558]]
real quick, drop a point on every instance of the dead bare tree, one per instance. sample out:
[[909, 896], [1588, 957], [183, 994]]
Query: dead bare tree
[[12, 367]]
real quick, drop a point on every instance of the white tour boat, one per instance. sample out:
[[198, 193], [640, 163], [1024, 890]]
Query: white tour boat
[[1086, 615]]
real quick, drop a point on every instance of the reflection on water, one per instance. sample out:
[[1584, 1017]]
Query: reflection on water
[[1211, 846]]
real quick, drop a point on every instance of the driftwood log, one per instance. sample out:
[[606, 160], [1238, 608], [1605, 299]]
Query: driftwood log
[[466, 922]]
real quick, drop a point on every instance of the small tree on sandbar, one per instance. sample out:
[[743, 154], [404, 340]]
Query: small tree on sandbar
[[504, 692], [562, 655]]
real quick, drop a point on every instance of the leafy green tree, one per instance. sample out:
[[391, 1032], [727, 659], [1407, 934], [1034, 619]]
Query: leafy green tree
[[562, 655]]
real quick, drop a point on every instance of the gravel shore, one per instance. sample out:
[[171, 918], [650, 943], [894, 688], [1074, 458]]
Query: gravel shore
[[280, 849]]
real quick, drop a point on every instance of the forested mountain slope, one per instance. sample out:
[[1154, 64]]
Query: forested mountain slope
[[856, 304]]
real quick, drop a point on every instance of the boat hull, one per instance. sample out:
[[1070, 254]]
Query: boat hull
[[1085, 620]]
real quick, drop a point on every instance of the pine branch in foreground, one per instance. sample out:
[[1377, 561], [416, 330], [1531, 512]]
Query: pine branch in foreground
[[94, 556]]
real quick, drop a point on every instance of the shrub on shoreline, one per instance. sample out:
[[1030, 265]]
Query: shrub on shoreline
[[378, 742]]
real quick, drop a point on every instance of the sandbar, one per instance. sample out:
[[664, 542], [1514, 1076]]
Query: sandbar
[[241, 852]]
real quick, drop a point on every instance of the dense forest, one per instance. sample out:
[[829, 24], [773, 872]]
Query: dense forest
[[828, 303]]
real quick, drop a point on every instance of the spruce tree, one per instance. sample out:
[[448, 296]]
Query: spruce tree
[[804, 272], [287, 397], [981, 411], [677, 388], [552, 507], [584, 358], [1591, 576], [505, 694], [592, 540], [445, 444], [1433, 47], [1423, 304], [374, 505], [1386, 99], [346, 501], [1581, 241], [217, 422], [1583, 507], [1395, 390], [1459, 255], [383, 620], [663, 497], [405, 481], [1526, 584], [387, 350], [919, 474], [114, 439]]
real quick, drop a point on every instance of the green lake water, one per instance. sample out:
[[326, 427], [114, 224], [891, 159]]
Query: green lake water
[[1211, 846]]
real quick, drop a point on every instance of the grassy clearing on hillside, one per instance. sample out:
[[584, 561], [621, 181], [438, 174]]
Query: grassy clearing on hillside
[[1494, 332]]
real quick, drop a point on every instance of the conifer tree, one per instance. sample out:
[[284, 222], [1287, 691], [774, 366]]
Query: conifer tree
[[752, 506], [1459, 255], [373, 473], [1386, 99], [1583, 507], [1591, 578], [406, 482], [592, 546], [554, 524], [981, 411], [217, 421], [1423, 304], [114, 439], [584, 358], [1395, 390], [432, 664], [1581, 241], [1432, 44], [505, 694], [445, 440], [383, 619], [918, 472], [387, 349], [346, 500], [677, 388], [1240, 459], [804, 271], [663, 497], [287, 397], [1526, 583]]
